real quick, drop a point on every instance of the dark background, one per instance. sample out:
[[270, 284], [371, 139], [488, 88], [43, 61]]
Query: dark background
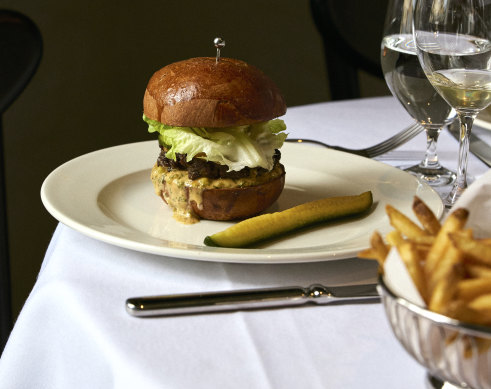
[[88, 91]]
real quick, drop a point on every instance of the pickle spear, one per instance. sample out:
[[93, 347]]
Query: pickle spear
[[266, 226]]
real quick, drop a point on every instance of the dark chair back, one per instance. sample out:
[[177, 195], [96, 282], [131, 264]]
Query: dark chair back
[[20, 53], [351, 32]]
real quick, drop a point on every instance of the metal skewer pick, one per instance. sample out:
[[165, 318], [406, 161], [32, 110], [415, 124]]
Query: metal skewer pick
[[219, 44]]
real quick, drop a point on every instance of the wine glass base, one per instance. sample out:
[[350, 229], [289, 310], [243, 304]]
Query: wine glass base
[[454, 194], [433, 382], [435, 177]]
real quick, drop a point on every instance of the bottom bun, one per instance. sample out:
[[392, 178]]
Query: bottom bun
[[238, 203], [220, 199]]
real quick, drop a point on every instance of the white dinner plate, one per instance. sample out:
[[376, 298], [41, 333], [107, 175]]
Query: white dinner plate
[[108, 195]]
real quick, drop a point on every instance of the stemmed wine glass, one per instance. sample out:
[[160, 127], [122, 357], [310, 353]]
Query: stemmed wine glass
[[453, 46], [408, 83]]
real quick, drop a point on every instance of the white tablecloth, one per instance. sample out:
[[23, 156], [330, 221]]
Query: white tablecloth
[[74, 332]]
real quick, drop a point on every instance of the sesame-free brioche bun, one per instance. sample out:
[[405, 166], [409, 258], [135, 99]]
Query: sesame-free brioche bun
[[201, 92], [239, 202]]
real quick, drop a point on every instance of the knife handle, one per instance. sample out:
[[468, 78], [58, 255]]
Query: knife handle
[[183, 304]]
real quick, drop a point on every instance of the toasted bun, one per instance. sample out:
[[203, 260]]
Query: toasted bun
[[238, 203], [191, 202], [199, 92]]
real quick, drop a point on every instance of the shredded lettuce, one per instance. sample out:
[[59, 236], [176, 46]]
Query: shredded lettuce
[[237, 147]]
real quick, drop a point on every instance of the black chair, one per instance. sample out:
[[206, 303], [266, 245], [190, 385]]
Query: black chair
[[20, 53], [351, 32]]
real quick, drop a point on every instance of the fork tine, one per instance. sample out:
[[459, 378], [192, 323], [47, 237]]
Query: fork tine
[[375, 150], [395, 141]]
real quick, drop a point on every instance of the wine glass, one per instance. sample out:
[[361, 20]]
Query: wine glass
[[408, 83], [453, 46]]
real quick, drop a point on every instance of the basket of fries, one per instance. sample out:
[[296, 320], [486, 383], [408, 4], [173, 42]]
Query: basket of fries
[[445, 323]]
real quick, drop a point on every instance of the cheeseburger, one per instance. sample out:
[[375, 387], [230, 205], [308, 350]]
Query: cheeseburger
[[219, 138]]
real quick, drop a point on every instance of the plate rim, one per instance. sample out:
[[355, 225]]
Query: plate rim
[[204, 253]]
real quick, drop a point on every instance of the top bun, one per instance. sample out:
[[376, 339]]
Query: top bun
[[199, 92]]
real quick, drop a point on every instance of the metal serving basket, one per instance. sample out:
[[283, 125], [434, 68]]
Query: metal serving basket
[[455, 354]]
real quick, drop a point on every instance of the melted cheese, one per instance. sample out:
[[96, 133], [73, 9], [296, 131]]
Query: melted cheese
[[179, 191]]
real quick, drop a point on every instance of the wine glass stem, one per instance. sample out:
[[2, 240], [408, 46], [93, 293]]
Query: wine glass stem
[[466, 121], [431, 156]]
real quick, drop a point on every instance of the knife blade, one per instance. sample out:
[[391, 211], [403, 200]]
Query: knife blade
[[476, 145], [184, 304]]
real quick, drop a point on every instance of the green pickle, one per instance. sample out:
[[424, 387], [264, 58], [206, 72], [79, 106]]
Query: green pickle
[[266, 226]]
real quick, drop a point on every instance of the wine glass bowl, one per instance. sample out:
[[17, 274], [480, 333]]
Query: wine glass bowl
[[408, 83], [453, 46]]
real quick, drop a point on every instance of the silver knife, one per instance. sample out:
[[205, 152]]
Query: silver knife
[[476, 145], [183, 304]]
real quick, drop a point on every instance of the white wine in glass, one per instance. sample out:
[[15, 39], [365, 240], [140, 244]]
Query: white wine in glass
[[453, 45], [464, 89]]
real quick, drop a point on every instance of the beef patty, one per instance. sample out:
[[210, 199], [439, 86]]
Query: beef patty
[[198, 167]]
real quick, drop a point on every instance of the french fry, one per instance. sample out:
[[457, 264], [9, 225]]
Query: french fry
[[403, 224], [447, 264], [454, 222], [426, 216], [477, 271], [482, 345], [471, 288], [482, 305], [473, 344], [424, 239], [369, 253], [450, 268], [423, 249], [378, 244], [394, 238], [445, 290], [378, 249], [486, 241], [477, 250], [410, 256], [459, 309]]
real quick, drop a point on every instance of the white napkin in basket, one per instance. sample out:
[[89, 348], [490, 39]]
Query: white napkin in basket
[[477, 199]]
